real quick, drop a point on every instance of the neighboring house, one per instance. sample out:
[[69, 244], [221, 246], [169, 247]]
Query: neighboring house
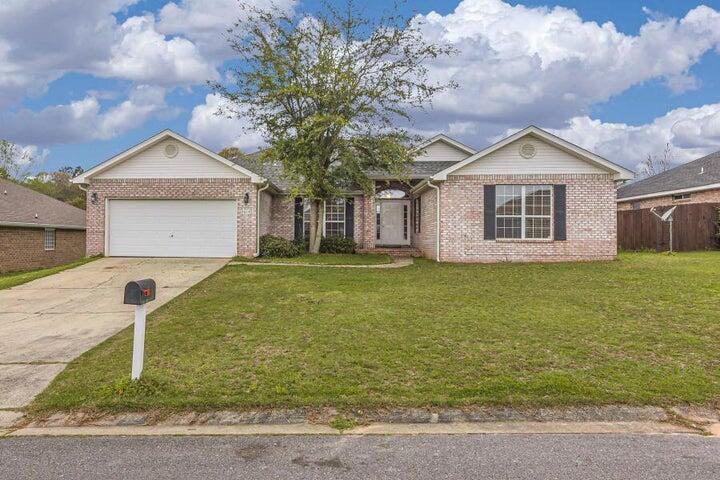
[[37, 231], [529, 197], [694, 182]]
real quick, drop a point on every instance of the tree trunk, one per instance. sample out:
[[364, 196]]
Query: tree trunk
[[315, 226]]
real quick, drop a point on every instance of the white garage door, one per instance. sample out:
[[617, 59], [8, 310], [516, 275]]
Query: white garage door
[[172, 228]]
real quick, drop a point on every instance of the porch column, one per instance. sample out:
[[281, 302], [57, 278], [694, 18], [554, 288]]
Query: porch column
[[369, 221]]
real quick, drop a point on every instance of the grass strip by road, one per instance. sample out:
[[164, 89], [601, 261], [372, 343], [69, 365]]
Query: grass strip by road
[[642, 330], [13, 279]]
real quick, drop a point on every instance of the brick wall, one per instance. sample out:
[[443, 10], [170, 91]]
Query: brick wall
[[24, 248], [425, 240], [172, 188], [282, 222], [591, 221], [282, 213], [707, 196]]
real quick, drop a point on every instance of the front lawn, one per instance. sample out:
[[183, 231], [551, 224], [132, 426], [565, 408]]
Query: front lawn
[[13, 279], [641, 330], [326, 259]]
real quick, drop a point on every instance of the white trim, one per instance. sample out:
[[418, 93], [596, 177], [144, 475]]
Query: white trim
[[121, 157], [45, 239], [441, 137], [437, 219], [620, 173], [666, 193], [524, 216], [41, 225]]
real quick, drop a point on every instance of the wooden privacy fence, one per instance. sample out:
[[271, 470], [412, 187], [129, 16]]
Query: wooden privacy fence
[[694, 228]]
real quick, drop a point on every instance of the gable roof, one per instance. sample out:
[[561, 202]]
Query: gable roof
[[23, 207], [165, 134], [700, 174], [441, 137], [620, 173]]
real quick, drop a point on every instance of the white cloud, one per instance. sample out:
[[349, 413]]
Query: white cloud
[[206, 21], [217, 132], [144, 55], [691, 133], [42, 40], [519, 65], [83, 120]]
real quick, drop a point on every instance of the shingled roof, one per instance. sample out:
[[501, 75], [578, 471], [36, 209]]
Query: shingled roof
[[274, 173], [22, 207], [692, 175]]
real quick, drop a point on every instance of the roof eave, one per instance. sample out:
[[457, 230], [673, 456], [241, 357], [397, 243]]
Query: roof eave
[[665, 193], [618, 172], [140, 147], [42, 225]]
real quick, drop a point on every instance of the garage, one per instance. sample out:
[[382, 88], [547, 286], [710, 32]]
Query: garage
[[171, 228]]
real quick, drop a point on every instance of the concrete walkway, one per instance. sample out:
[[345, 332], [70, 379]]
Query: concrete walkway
[[398, 262], [46, 323]]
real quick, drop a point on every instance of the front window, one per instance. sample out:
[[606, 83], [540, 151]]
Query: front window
[[306, 218], [523, 211], [335, 218]]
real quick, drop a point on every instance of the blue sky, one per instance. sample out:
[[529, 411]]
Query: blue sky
[[620, 77]]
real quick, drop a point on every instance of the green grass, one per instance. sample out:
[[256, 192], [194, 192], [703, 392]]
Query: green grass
[[13, 279], [644, 329], [326, 259]]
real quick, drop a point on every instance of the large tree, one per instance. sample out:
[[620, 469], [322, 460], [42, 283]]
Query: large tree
[[15, 162], [59, 185], [327, 91]]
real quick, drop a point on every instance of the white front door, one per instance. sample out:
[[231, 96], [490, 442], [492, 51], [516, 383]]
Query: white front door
[[394, 222], [171, 228]]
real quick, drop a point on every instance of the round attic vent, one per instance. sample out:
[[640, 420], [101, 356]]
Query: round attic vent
[[527, 150], [171, 150]]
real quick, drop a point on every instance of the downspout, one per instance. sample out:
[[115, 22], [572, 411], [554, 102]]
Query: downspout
[[437, 219], [257, 218]]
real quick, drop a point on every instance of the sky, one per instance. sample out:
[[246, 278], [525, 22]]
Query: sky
[[83, 80]]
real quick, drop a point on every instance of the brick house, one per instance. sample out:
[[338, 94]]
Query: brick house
[[529, 197], [37, 231], [693, 182]]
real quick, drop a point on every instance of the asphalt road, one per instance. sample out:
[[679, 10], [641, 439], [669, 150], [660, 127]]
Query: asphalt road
[[583, 457]]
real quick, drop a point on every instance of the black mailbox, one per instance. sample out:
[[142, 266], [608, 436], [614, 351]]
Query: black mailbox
[[139, 292]]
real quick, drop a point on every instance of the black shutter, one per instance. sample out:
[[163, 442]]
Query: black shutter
[[350, 217], [489, 211], [559, 204], [298, 218]]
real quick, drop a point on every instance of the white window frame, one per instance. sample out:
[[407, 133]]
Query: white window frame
[[342, 203], [306, 216], [50, 239], [523, 216]]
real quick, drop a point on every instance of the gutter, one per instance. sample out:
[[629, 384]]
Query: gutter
[[437, 219], [257, 218], [41, 225]]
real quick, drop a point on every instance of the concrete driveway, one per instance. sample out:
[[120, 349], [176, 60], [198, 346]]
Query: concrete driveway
[[46, 323]]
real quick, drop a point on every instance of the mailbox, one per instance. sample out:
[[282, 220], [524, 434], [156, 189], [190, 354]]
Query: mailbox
[[139, 292]]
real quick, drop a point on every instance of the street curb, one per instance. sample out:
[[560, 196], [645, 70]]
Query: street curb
[[494, 428]]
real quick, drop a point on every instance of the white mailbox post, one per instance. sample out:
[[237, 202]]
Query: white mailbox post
[[139, 293]]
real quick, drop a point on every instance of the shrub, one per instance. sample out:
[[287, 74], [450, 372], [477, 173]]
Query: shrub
[[337, 245], [327, 245], [302, 243], [273, 246]]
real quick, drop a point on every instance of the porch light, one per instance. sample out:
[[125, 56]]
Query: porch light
[[246, 198], [94, 198]]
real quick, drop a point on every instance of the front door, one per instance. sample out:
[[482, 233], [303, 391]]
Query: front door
[[393, 222]]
